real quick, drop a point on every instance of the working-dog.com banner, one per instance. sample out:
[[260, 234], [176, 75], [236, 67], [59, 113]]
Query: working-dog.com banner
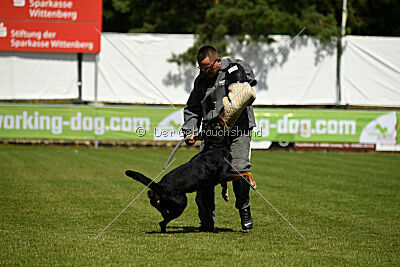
[[164, 123]]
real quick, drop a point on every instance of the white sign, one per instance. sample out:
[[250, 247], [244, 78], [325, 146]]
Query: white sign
[[19, 3], [382, 130], [3, 30]]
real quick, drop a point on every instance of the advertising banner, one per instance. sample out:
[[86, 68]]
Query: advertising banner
[[323, 125], [50, 25], [164, 123]]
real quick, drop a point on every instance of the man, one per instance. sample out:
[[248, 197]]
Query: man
[[205, 103]]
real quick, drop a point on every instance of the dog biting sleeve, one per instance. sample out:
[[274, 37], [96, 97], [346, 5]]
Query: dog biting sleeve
[[240, 94]]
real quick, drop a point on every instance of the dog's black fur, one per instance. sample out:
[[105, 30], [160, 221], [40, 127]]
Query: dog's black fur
[[208, 168]]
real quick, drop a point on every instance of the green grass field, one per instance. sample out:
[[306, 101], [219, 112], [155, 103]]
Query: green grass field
[[55, 200]]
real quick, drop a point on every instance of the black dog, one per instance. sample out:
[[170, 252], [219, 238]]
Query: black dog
[[206, 169]]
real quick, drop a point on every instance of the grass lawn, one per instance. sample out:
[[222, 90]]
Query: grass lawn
[[55, 200]]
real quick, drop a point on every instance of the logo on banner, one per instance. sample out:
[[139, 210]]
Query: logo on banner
[[3, 30], [19, 3], [382, 130], [169, 128]]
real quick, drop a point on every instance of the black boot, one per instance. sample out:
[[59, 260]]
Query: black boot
[[245, 217]]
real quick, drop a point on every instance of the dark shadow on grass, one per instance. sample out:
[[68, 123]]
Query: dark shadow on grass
[[190, 229]]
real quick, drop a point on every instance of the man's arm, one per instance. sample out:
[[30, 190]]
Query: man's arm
[[192, 115]]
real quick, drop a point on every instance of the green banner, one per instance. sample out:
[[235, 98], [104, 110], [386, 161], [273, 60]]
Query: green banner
[[323, 125], [164, 123], [79, 122]]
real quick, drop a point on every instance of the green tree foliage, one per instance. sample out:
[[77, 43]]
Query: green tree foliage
[[153, 16], [374, 17], [258, 19], [251, 20]]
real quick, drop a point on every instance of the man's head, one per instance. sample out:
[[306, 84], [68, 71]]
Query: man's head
[[209, 61]]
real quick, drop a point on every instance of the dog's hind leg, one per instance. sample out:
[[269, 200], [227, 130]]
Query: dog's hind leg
[[163, 225]]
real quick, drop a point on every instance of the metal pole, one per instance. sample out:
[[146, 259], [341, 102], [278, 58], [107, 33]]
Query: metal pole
[[96, 77], [79, 82], [339, 46], [344, 17], [338, 70], [96, 141]]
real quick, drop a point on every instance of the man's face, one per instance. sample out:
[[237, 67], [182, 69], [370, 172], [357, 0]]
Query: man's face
[[210, 66]]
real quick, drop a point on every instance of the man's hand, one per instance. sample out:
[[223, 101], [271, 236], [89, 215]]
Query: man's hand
[[191, 140]]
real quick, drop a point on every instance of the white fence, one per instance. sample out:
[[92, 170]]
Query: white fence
[[133, 68]]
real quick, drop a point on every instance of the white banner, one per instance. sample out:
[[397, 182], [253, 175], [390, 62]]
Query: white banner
[[303, 73], [25, 75], [141, 73], [370, 71], [133, 68]]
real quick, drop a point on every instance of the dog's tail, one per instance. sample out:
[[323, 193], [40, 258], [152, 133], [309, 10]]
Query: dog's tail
[[145, 180]]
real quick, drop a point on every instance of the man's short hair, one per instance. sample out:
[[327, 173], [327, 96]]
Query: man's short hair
[[206, 51]]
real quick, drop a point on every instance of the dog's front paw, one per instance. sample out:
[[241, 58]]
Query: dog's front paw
[[224, 192], [225, 196]]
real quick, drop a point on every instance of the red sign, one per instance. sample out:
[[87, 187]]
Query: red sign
[[339, 146], [50, 25]]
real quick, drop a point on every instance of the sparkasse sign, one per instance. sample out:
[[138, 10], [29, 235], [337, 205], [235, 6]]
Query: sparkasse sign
[[50, 25]]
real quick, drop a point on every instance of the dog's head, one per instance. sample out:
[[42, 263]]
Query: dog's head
[[216, 133], [216, 124], [157, 202], [170, 206]]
